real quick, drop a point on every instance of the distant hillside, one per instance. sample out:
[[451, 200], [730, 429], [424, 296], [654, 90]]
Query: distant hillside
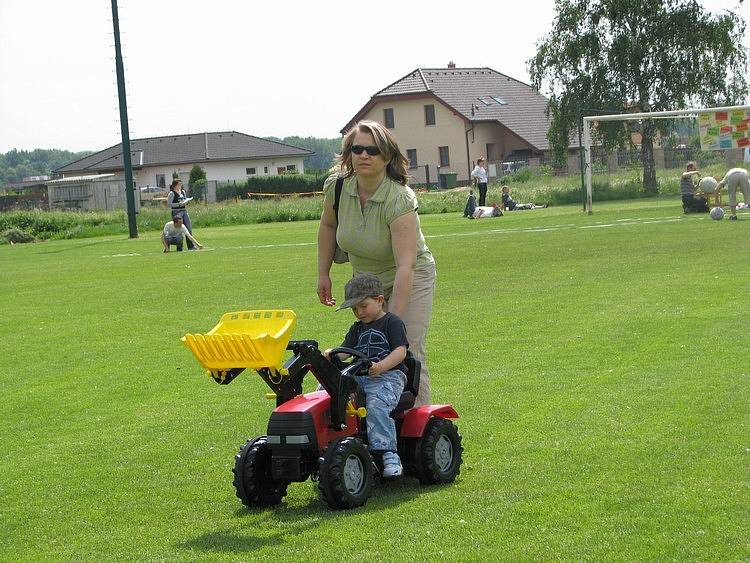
[[325, 150], [16, 165]]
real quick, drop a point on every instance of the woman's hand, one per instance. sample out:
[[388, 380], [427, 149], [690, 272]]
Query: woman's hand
[[324, 291]]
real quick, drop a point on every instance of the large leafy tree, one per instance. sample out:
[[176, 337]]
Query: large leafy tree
[[636, 56]]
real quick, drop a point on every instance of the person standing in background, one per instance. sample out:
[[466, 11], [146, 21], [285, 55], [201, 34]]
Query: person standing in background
[[479, 177]]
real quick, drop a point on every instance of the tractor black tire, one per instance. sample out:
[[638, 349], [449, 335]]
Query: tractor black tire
[[346, 473], [252, 475], [438, 453]]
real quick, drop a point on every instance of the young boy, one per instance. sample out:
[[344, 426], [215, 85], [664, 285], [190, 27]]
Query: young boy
[[382, 337], [173, 232]]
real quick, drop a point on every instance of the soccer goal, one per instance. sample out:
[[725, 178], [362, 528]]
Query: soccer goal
[[720, 128]]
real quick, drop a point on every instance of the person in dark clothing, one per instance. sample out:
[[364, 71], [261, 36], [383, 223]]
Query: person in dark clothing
[[511, 205], [691, 202], [471, 205]]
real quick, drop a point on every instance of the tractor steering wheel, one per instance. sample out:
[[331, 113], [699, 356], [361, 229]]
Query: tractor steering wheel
[[359, 363]]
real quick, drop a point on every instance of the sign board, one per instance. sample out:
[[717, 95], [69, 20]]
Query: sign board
[[720, 130]]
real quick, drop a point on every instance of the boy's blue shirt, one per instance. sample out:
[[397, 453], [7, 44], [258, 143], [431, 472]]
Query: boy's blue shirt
[[379, 338]]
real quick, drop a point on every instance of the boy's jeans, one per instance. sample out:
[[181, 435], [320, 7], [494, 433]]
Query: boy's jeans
[[383, 393]]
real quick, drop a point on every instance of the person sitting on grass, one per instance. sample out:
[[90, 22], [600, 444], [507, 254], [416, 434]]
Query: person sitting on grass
[[382, 337], [691, 202], [511, 205], [487, 211], [173, 233]]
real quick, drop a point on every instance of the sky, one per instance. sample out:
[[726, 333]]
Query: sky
[[288, 67]]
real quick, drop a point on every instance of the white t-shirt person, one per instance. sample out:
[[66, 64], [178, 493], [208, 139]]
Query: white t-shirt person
[[480, 174], [487, 211], [173, 233]]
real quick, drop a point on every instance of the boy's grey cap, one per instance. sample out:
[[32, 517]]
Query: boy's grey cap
[[360, 287]]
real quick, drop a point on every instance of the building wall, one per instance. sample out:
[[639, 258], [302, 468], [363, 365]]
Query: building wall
[[218, 170], [412, 133], [450, 130], [87, 195]]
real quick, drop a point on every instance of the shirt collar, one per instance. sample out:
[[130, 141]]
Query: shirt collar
[[350, 188]]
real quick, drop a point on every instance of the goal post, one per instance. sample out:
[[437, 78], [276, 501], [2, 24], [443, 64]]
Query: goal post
[[588, 120]]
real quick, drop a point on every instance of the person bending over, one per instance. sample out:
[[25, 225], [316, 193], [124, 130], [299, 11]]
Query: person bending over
[[736, 178], [173, 234], [381, 337]]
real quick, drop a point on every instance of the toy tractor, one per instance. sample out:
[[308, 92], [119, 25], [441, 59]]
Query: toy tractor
[[319, 435]]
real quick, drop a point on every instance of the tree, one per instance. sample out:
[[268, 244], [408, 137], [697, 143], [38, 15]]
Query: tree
[[197, 181], [634, 56], [196, 173]]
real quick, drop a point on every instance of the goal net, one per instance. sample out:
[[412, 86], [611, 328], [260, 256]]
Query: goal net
[[719, 129]]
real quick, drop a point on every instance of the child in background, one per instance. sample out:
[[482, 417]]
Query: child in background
[[381, 337], [173, 233], [511, 205]]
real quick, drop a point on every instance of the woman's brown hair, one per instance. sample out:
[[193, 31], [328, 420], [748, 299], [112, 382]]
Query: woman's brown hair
[[385, 141]]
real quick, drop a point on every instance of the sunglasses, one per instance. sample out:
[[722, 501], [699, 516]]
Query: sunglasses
[[359, 149]]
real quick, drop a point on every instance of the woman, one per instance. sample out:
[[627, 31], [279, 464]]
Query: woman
[[479, 176], [379, 227], [177, 202]]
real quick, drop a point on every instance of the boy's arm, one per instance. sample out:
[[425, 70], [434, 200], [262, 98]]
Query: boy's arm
[[191, 237], [389, 362]]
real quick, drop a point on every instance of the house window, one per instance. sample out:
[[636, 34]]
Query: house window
[[411, 155], [499, 100], [291, 168], [249, 171], [265, 170], [280, 170], [161, 181], [388, 118], [445, 159], [429, 115]]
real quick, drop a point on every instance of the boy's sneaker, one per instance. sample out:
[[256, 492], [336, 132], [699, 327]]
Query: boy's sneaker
[[733, 217], [392, 465]]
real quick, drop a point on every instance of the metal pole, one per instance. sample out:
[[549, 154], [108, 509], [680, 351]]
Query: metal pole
[[581, 158], [129, 195], [587, 144]]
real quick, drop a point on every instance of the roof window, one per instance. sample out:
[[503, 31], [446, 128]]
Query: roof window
[[489, 100]]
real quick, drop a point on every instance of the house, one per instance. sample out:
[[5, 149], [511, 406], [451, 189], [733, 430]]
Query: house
[[223, 155], [449, 117]]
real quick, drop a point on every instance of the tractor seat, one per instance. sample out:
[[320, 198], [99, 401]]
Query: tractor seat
[[409, 394]]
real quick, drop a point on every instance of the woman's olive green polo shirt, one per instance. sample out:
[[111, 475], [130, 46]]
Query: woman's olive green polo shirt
[[365, 233]]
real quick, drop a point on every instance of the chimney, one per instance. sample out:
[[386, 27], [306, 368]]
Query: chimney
[[451, 64]]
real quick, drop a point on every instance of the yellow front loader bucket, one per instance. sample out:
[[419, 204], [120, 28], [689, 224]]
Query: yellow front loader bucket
[[245, 339]]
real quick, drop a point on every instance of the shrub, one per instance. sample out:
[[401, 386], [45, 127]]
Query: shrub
[[282, 184], [521, 176], [16, 236]]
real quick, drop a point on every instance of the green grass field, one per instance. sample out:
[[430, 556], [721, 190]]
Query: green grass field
[[600, 365]]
